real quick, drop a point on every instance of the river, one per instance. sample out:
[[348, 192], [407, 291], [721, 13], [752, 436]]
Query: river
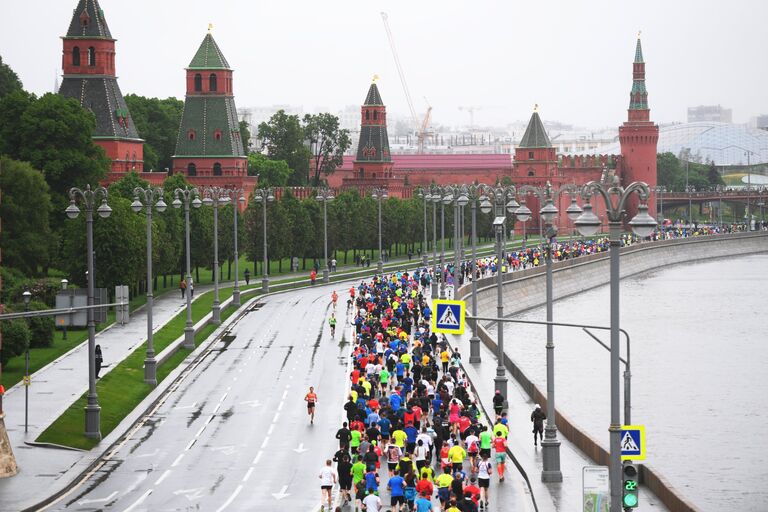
[[699, 336]]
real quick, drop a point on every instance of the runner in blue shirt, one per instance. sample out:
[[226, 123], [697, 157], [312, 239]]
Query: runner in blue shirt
[[423, 504], [396, 485]]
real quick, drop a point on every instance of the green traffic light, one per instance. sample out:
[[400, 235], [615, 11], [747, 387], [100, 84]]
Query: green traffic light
[[630, 500]]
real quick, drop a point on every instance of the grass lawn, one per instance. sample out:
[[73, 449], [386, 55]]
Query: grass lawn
[[121, 390]]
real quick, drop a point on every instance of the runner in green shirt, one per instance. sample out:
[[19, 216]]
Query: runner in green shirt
[[485, 442], [358, 470], [354, 442], [384, 378]]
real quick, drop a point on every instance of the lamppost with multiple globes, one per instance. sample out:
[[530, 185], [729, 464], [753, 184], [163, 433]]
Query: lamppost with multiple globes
[[237, 198], [263, 196], [424, 195], [503, 198], [548, 213], [188, 196], [435, 195], [325, 195], [89, 198], [27, 296], [615, 198], [149, 199], [379, 194], [472, 193], [216, 197]]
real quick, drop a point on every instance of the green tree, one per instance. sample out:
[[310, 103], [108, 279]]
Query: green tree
[[54, 135], [283, 136], [271, 173], [125, 186], [25, 208], [668, 171], [41, 328], [16, 336], [245, 136], [328, 143], [9, 80], [157, 121]]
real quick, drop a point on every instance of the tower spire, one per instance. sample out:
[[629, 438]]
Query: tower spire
[[638, 97]]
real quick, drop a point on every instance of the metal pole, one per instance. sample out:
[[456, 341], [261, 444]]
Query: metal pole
[[456, 244], [92, 409], [326, 270], [150, 363], [434, 249], [265, 273], [474, 341], [550, 444], [380, 265], [26, 378], [189, 330], [615, 427], [216, 309], [442, 249], [500, 381], [749, 188], [236, 289], [424, 248]]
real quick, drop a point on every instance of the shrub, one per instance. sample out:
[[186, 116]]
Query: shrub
[[16, 335], [41, 328]]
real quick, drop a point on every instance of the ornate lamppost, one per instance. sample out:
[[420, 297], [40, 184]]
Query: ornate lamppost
[[188, 196], [89, 198], [325, 195], [379, 194], [263, 196], [215, 197]]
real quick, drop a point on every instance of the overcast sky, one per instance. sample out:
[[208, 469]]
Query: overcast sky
[[573, 58]]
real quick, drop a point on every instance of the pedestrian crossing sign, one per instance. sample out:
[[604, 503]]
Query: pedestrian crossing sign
[[448, 317], [633, 442]]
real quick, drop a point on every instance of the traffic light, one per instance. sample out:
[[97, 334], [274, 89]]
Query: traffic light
[[631, 487]]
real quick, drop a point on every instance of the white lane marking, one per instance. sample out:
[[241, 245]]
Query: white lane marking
[[280, 405], [230, 499], [235, 379], [265, 443], [148, 454], [178, 459], [139, 501], [277, 415], [192, 442], [108, 498], [163, 477], [282, 494], [191, 494], [258, 457], [271, 429], [248, 474], [285, 393], [186, 406], [287, 386], [301, 448]]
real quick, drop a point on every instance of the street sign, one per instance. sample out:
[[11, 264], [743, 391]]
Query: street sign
[[596, 489], [633, 442], [448, 316]]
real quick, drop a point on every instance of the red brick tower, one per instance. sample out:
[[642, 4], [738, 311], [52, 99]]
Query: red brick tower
[[209, 149], [638, 136], [89, 77], [373, 160]]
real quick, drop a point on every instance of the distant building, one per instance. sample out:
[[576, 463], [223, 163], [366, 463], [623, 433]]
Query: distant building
[[710, 113], [761, 122]]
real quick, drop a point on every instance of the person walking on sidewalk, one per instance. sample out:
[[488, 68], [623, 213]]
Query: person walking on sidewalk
[[247, 275], [537, 417], [498, 402], [183, 288], [98, 358]]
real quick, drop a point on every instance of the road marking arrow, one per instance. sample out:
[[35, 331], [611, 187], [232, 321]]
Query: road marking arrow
[[301, 449], [252, 403], [282, 494], [226, 450], [108, 498], [191, 494]]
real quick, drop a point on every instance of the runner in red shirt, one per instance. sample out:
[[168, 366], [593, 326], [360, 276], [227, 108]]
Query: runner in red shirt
[[311, 399]]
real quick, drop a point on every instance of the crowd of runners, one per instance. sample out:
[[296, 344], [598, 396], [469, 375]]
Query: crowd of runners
[[413, 438]]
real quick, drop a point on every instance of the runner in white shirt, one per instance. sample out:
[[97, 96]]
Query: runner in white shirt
[[484, 472], [372, 503], [328, 479]]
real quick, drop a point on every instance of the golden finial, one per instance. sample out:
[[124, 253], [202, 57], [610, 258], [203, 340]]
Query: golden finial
[[536, 107], [210, 27], [638, 33], [375, 77]]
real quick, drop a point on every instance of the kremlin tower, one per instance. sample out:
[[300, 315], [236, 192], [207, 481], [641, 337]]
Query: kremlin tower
[[373, 160], [89, 77], [638, 137]]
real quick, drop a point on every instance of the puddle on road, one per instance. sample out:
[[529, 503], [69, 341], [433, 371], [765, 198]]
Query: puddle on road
[[196, 414], [96, 480], [151, 425]]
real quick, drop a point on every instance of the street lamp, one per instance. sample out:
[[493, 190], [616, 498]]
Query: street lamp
[[445, 198], [147, 198], [471, 192], [215, 197], [690, 189], [549, 212], [325, 195], [64, 284], [263, 196], [27, 297], [659, 190], [187, 196], [499, 194], [379, 194], [237, 198], [643, 225], [89, 198], [424, 194], [434, 197]]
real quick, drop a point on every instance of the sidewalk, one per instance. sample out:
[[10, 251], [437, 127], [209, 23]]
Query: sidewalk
[[565, 496]]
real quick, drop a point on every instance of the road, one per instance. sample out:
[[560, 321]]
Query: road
[[233, 433]]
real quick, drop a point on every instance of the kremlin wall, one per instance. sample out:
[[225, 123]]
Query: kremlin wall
[[209, 151]]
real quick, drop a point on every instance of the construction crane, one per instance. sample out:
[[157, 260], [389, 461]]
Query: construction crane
[[471, 110], [420, 126]]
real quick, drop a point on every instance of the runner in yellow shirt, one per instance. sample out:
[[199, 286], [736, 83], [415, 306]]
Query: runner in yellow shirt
[[457, 454], [443, 483], [399, 436]]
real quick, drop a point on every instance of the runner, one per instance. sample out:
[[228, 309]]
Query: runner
[[311, 399], [334, 299], [332, 322], [327, 478], [500, 445], [484, 472]]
